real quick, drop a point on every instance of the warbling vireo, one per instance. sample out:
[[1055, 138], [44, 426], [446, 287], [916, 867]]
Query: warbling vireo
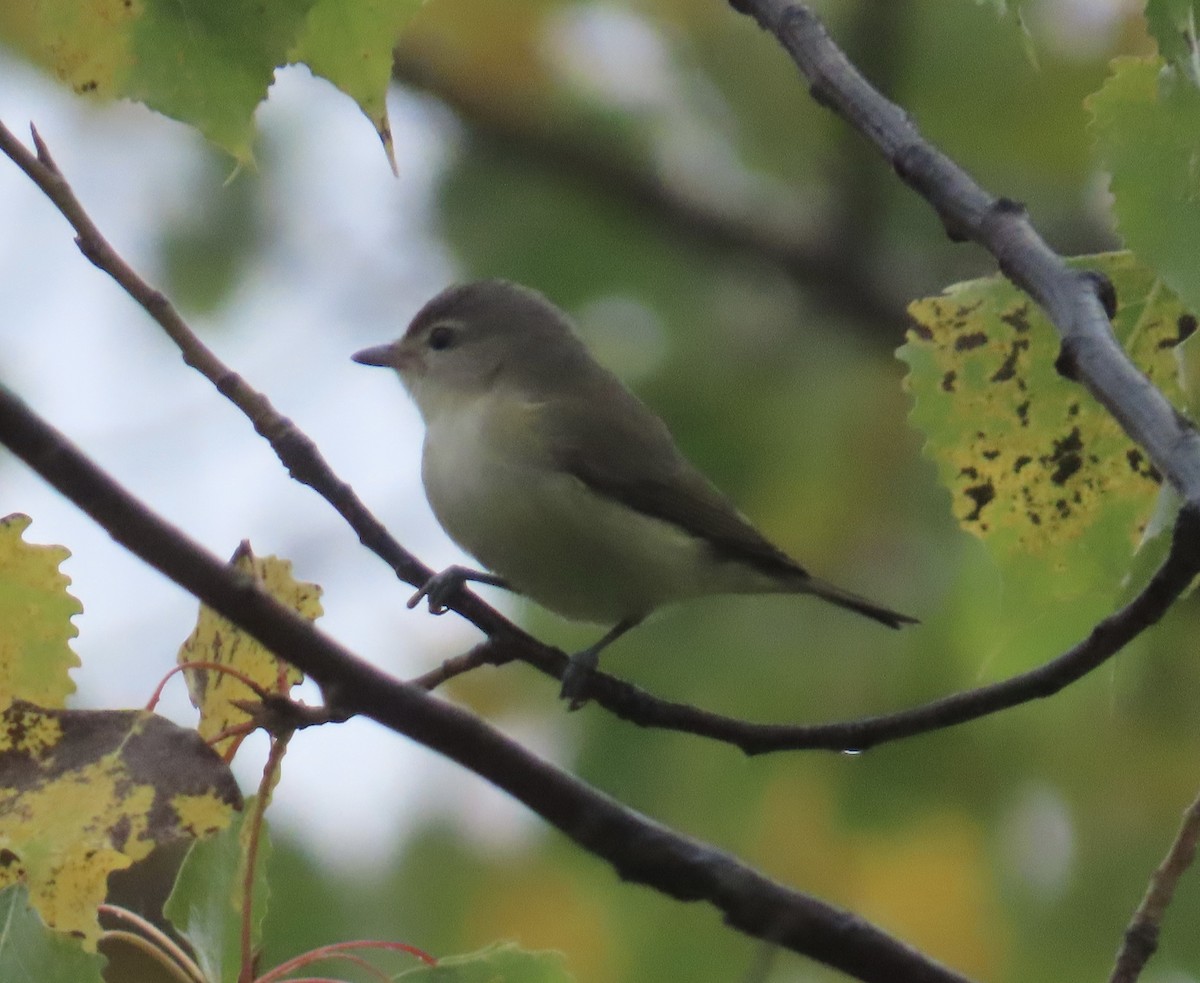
[[544, 467]]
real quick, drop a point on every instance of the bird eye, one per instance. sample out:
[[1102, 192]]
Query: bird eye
[[441, 338]]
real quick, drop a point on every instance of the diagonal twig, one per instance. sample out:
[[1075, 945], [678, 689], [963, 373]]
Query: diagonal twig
[[1105, 640], [1141, 937]]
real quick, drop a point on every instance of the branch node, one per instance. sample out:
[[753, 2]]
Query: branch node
[[88, 246], [1009, 206], [906, 162], [43, 152], [1141, 942], [1066, 364], [158, 306], [227, 383], [1106, 292], [820, 95]]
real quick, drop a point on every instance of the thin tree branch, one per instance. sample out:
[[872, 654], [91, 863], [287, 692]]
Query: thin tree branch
[[1141, 937], [483, 654], [1105, 640], [638, 849]]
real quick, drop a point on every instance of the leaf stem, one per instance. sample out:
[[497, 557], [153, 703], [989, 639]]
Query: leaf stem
[[154, 937], [339, 949], [203, 664], [270, 775]]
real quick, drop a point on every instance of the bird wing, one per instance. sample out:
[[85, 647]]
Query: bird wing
[[626, 453]]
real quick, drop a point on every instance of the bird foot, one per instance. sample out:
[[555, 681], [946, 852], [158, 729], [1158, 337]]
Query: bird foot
[[577, 678], [440, 588]]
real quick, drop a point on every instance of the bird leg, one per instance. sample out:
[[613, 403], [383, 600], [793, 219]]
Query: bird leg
[[441, 587], [577, 676]]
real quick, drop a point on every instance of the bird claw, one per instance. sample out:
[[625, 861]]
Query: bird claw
[[439, 589], [577, 678]]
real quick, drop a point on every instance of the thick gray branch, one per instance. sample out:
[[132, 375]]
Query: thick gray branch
[[1074, 301]]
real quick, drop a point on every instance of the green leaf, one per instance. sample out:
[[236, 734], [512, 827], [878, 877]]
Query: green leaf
[[1146, 125], [206, 903], [84, 793], [1035, 466], [351, 46], [1173, 25], [31, 951], [500, 963], [210, 64], [35, 619]]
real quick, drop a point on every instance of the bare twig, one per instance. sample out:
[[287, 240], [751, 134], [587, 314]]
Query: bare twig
[[484, 654], [1105, 640], [637, 848], [343, 950], [1141, 937], [217, 667]]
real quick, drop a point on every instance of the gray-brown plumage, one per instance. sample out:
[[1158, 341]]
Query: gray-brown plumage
[[543, 466]]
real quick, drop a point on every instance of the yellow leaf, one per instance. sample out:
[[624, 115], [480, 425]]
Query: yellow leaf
[[217, 640], [35, 619], [1036, 468], [87, 792]]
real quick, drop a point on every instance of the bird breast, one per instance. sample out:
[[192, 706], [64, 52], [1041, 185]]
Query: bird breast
[[494, 488]]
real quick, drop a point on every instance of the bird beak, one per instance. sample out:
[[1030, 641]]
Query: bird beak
[[381, 355]]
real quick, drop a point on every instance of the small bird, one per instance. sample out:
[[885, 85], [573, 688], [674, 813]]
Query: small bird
[[563, 484]]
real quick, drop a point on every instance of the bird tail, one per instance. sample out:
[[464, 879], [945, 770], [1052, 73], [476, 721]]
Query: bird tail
[[854, 602]]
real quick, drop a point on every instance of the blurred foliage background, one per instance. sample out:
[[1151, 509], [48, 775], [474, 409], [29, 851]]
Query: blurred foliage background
[[658, 168]]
